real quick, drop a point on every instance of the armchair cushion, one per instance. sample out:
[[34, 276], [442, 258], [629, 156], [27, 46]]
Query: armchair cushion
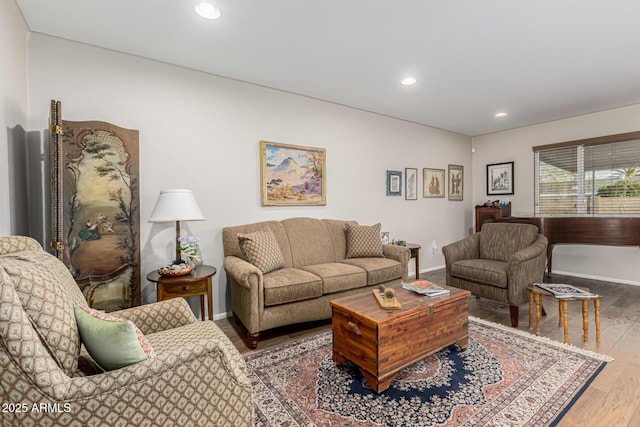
[[485, 271], [112, 342], [363, 241], [262, 250]]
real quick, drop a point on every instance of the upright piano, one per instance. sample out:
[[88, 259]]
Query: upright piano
[[606, 231]]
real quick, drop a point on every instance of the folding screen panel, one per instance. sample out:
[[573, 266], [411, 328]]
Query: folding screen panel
[[95, 218]]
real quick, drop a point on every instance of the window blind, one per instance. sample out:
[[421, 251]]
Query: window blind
[[595, 177]]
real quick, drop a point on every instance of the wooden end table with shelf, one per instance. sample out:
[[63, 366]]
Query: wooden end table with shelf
[[196, 283], [415, 253]]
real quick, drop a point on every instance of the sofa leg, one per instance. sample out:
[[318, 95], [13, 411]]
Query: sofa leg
[[513, 309], [253, 340]]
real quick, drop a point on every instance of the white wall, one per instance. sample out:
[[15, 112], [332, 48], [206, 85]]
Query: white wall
[[13, 112], [202, 132], [620, 264]]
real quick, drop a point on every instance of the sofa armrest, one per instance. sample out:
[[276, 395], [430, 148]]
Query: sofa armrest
[[159, 316], [241, 271], [246, 283], [402, 254], [399, 253]]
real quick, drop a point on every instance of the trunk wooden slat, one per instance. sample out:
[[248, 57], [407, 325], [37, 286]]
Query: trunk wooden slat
[[383, 342]]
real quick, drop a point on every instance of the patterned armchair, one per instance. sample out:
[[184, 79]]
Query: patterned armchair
[[47, 378], [498, 263]]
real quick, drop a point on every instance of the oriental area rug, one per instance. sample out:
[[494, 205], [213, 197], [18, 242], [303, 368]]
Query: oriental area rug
[[505, 377]]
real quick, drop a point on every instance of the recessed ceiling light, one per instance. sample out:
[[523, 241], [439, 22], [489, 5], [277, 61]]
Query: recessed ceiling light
[[208, 11], [408, 81], [501, 114]]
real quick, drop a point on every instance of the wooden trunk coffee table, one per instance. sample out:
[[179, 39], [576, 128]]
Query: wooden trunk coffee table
[[383, 342]]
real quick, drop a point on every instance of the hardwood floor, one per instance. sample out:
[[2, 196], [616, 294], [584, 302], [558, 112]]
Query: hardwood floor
[[612, 399]]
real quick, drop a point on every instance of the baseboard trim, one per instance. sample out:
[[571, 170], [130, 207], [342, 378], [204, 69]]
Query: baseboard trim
[[426, 270], [221, 316], [602, 278]]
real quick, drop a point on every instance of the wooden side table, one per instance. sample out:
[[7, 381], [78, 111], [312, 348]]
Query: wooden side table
[[415, 253], [535, 298], [196, 283]]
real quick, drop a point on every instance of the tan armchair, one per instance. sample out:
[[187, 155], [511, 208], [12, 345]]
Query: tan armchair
[[498, 263], [47, 378]]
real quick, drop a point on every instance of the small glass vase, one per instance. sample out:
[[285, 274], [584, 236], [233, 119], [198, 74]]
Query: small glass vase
[[194, 259]]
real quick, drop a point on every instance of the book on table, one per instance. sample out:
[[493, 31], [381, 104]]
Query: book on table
[[424, 287], [565, 291]]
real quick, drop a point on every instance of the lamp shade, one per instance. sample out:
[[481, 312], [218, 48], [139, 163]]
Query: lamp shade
[[176, 204]]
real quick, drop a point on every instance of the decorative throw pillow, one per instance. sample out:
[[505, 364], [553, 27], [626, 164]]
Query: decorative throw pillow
[[112, 342], [363, 241], [262, 250]]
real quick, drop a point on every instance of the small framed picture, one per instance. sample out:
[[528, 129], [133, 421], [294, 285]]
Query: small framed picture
[[456, 182], [411, 184], [394, 183], [500, 178], [432, 182], [384, 237]]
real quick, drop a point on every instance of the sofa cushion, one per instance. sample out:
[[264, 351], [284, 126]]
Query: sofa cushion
[[47, 291], [499, 241], [338, 232], [262, 250], [484, 271], [310, 241], [112, 342], [289, 285], [379, 270], [363, 241], [338, 277]]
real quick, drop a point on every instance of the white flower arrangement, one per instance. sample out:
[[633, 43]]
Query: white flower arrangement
[[190, 249]]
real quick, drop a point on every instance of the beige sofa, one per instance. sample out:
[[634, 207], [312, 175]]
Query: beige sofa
[[320, 260], [197, 376]]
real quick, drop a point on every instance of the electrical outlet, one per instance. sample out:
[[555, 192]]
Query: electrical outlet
[[434, 247]]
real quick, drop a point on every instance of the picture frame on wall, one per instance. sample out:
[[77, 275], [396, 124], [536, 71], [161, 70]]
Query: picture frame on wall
[[292, 175], [411, 183], [394, 183], [500, 178], [456, 182], [433, 182]]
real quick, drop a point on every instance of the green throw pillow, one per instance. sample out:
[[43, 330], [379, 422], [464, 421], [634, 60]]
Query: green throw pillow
[[112, 342]]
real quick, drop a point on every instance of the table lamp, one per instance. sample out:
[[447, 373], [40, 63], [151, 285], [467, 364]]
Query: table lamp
[[177, 205]]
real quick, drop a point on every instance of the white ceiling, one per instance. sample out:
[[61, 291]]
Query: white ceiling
[[539, 60]]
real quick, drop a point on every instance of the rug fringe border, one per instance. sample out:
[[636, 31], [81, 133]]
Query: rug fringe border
[[585, 352]]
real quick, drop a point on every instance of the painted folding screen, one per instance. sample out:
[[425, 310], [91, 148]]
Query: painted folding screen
[[95, 217]]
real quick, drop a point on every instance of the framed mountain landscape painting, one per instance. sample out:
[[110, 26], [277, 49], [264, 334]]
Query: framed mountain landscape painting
[[292, 175]]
